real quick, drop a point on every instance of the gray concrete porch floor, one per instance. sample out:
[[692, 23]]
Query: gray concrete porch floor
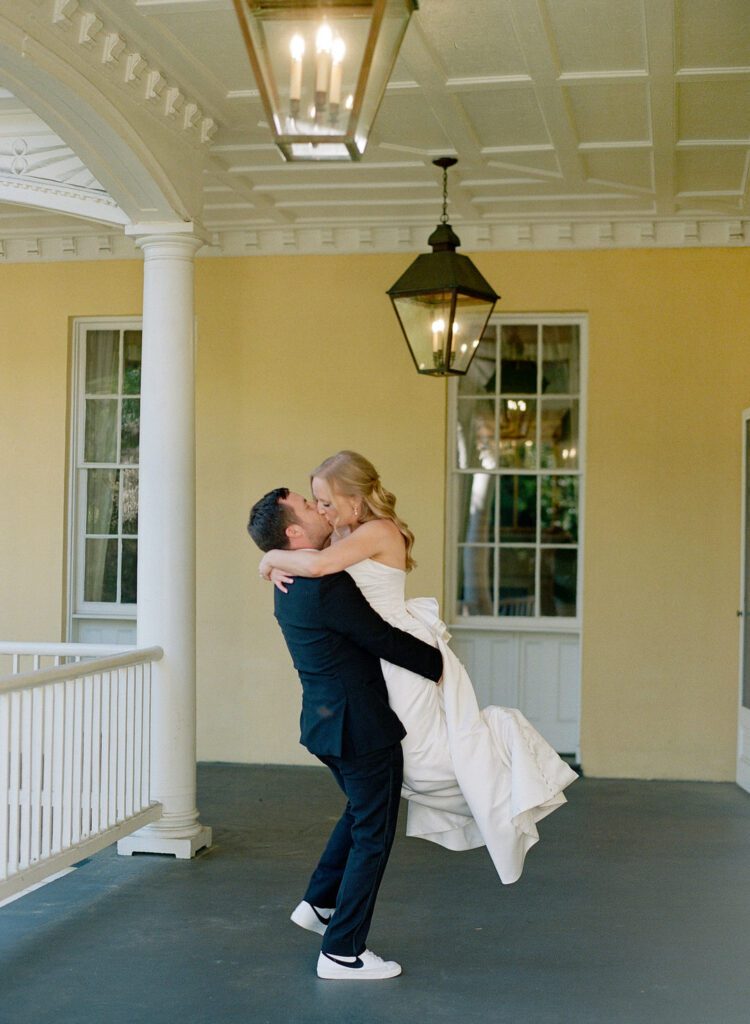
[[633, 909]]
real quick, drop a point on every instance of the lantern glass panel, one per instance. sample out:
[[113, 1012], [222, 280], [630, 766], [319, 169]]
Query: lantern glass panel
[[441, 339]]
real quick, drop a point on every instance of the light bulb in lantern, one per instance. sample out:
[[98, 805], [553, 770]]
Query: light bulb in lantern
[[438, 326], [338, 52], [297, 51], [323, 42]]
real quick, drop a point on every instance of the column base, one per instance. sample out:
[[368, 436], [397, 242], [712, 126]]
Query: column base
[[181, 847]]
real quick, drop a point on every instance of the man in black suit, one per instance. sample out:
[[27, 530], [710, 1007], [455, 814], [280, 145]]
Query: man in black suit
[[336, 641]]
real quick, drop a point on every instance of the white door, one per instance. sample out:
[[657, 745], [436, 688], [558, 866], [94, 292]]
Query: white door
[[743, 738]]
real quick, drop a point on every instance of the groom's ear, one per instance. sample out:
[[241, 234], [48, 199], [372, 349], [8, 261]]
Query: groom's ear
[[293, 530]]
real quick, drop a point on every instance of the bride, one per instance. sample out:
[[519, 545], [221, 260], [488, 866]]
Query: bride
[[471, 777]]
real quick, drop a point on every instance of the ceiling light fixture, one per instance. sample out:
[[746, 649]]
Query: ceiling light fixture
[[321, 67], [442, 301]]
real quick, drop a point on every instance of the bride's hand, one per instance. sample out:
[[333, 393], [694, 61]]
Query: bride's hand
[[280, 579]]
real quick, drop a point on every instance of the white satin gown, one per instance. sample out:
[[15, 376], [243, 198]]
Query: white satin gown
[[472, 778]]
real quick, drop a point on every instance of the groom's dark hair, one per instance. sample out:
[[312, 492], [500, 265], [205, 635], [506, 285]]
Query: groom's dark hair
[[269, 520]]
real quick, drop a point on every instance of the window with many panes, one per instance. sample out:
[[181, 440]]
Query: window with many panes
[[517, 473], [105, 472]]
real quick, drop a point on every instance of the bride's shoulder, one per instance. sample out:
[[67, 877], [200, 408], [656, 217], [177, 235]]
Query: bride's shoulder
[[385, 528]]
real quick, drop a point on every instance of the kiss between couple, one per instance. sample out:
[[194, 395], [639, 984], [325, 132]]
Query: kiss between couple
[[369, 661]]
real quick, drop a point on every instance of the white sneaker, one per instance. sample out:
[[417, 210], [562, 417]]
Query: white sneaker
[[365, 967], [315, 919]]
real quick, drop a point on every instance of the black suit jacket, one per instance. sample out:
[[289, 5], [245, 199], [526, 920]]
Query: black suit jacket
[[336, 641]]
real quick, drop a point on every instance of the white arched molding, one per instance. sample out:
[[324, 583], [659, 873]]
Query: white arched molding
[[149, 172], [166, 533]]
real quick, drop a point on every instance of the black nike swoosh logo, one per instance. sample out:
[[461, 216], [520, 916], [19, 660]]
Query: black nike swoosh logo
[[323, 920], [345, 963]]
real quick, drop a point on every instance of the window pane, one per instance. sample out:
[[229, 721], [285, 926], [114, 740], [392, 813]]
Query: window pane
[[559, 433], [102, 362], [560, 367], [475, 436], [558, 582], [476, 510], [481, 377], [518, 509], [130, 501], [100, 442], [476, 574], [100, 575], [131, 411], [560, 510], [101, 500], [518, 355], [131, 370], [518, 433], [129, 572], [516, 590]]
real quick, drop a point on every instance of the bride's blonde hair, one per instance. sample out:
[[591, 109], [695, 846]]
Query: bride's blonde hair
[[352, 475]]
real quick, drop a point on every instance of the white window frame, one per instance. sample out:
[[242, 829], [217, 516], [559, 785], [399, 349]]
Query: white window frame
[[508, 623], [77, 608]]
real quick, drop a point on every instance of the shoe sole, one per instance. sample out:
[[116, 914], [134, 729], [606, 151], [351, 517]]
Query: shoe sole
[[355, 975]]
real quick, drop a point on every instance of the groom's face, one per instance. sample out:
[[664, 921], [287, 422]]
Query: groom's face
[[311, 529]]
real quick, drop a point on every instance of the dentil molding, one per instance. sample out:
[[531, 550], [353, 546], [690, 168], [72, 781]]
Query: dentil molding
[[95, 242]]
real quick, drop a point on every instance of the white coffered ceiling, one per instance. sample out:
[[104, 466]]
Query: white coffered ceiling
[[576, 122]]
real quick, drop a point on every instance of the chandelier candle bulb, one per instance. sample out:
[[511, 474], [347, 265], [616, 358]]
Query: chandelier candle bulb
[[323, 41], [338, 52], [297, 50]]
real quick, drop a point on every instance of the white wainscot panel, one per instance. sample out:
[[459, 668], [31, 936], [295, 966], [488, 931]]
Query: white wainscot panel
[[536, 672]]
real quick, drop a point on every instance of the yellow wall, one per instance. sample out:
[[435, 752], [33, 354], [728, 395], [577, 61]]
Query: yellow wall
[[299, 356]]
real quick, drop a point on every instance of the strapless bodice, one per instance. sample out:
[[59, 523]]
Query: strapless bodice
[[382, 585]]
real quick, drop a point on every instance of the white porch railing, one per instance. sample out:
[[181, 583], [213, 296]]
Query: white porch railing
[[74, 758]]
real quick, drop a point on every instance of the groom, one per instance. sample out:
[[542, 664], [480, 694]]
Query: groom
[[336, 641]]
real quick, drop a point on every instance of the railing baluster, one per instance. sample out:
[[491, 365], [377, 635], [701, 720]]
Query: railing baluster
[[96, 751], [122, 740], [5, 699], [14, 782], [48, 693], [24, 845], [104, 787], [137, 737], [88, 684], [37, 741], [58, 761], [114, 694]]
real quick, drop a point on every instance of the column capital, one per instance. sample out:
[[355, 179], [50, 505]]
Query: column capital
[[176, 238]]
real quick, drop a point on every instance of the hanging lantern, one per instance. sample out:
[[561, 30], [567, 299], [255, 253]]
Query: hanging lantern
[[321, 67], [442, 301]]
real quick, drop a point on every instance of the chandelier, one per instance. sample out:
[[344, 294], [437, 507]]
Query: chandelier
[[321, 67]]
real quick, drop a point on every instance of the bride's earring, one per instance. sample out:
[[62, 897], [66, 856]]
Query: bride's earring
[[355, 511]]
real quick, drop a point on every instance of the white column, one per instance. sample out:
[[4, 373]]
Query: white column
[[166, 535]]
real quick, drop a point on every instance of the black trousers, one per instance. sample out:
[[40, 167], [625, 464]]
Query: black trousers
[[351, 868]]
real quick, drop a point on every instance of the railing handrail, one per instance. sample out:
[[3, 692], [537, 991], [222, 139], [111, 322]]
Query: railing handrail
[[77, 670], [47, 650]]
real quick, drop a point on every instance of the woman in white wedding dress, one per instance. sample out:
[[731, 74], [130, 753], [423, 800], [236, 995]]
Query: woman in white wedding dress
[[471, 777]]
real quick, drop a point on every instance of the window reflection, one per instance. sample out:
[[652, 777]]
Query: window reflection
[[516, 584], [476, 444], [559, 569]]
